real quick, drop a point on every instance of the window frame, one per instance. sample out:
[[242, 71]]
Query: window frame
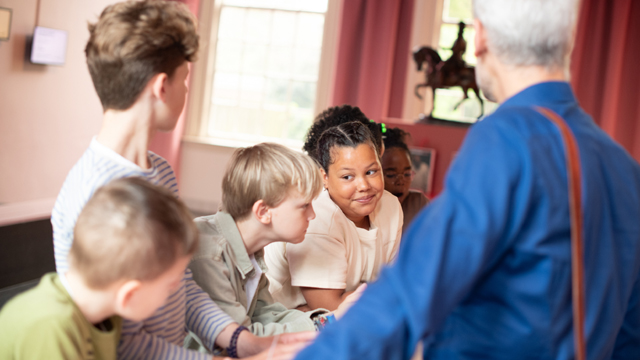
[[202, 71]]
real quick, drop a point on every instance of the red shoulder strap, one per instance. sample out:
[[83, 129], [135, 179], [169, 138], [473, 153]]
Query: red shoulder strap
[[575, 208]]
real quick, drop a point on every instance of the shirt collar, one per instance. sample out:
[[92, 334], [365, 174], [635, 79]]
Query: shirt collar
[[543, 94], [231, 233]]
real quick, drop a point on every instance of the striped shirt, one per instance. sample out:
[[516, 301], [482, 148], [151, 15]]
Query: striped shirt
[[189, 308]]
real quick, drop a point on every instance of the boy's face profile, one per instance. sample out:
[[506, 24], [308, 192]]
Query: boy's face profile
[[354, 180], [397, 172], [175, 94], [147, 296], [290, 219]]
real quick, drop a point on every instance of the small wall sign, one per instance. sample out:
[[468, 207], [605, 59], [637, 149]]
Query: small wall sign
[[5, 23]]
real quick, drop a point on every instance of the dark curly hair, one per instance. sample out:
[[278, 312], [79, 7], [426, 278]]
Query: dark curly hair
[[396, 138], [349, 134], [335, 116]]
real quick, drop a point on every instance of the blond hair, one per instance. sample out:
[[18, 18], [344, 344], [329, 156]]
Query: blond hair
[[130, 229], [133, 41], [267, 172]]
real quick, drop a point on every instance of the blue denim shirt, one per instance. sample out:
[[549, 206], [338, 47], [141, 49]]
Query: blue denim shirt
[[484, 272]]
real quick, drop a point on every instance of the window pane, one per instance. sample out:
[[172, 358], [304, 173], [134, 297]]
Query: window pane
[[229, 55], [303, 94], [231, 23], [298, 124], [306, 65], [257, 26], [310, 28], [252, 88], [456, 10], [280, 61], [253, 59], [226, 88], [277, 92], [284, 26], [446, 100]]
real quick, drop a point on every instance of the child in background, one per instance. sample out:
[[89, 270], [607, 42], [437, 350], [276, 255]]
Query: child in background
[[398, 173], [266, 197], [138, 56], [133, 241], [356, 231]]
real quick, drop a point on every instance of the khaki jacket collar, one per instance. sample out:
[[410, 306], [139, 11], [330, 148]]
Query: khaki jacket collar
[[231, 233]]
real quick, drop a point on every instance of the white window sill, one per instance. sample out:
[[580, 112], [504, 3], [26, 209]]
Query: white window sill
[[235, 143]]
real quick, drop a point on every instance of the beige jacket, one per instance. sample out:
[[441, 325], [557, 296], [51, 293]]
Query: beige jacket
[[221, 268]]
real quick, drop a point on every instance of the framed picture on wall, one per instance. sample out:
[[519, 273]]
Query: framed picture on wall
[[5, 23], [423, 161]]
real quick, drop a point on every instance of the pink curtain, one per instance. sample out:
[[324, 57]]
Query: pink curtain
[[605, 68], [168, 145], [372, 56]]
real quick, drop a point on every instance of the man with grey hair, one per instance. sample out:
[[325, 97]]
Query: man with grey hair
[[484, 272]]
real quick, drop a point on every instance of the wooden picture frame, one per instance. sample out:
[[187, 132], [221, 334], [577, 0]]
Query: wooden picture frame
[[423, 163]]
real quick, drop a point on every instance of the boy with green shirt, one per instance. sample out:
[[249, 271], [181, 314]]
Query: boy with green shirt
[[132, 243]]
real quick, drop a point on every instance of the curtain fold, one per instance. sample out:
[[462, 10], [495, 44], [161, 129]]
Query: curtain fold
[[373, 49], [168, 145], [605, 73]]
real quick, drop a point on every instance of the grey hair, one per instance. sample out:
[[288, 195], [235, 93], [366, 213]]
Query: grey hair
[[529, 32]]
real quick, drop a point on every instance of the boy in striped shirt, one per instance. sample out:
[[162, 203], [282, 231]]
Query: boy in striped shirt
[[138, 54]]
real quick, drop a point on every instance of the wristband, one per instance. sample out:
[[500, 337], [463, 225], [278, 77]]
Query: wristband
[[323, 320], [232, 350]]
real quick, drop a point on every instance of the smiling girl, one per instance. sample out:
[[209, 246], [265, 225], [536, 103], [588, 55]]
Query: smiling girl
[[357, 227]]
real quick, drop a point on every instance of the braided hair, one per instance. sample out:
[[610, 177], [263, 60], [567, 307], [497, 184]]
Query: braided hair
[[335, 116], [349, 134], [396, 138]]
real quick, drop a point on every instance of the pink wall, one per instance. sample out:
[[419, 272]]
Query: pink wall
[[48, 114], [446, 140]]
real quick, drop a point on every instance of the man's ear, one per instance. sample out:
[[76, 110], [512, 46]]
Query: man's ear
[[261, 211], [325, 178], [159, 86], [480, 39], [125, 294]]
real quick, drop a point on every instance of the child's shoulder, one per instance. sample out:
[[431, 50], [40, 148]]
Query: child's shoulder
[[214, 231], [46, 305], [328, 214], [389, 203], [388, 213], [44, 323]]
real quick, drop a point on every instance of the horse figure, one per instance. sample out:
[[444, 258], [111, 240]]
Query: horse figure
[[444, 74]]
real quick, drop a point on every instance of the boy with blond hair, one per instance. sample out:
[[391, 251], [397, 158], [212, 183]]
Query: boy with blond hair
[[138, 56], [133, 241], [266, 197]]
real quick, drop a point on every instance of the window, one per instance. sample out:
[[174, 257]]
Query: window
[[454, 11], [263, 71]]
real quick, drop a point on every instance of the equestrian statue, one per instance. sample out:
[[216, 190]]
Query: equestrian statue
[[445, 74]]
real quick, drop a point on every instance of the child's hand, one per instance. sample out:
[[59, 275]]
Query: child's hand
[[297, 337], [280, 351], [349, 301], [261, 345]]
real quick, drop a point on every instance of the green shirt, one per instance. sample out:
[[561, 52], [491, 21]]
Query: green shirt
[[45, 323], [222, 266]]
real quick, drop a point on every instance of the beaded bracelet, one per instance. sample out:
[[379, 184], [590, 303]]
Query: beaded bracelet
[[232, 350], [321, 321]]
